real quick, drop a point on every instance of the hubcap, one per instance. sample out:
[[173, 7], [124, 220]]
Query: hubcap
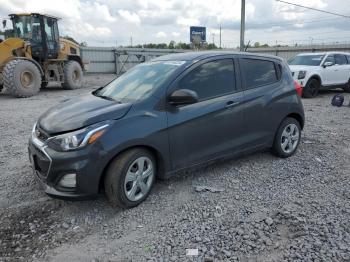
[[290, 138], [27, 79], [75, 76], [139, 178]]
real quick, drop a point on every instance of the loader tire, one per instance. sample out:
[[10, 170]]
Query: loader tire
[[21, 78], [73, 75]]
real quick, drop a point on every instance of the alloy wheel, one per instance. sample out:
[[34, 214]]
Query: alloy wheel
[[139, 178], [290, 138]]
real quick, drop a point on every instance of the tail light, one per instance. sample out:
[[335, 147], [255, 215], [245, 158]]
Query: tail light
[[298, 88]]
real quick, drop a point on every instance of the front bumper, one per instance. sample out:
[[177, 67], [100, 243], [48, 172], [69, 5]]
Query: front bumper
[[50, 166]]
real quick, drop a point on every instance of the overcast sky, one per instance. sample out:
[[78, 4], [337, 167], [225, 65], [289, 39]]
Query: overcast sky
[[103, 22]]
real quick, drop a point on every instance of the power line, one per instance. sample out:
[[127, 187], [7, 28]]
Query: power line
[[314, 9]]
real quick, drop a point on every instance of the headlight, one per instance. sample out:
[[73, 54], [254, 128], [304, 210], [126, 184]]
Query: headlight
[[301, 74], [78, 139]]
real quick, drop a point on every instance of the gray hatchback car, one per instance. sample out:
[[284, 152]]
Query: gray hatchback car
[[162, 116]]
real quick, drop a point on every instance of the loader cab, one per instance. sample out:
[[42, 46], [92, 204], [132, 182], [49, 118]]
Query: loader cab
[[41, 31]]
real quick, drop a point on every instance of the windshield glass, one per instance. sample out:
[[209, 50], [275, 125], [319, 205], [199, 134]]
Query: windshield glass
[[308, 60], [140, 81], [22, 26]]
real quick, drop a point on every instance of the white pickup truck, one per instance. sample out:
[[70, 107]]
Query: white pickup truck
[[315, 71]]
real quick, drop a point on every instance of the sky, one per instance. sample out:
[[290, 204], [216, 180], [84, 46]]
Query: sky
[[115, 22]]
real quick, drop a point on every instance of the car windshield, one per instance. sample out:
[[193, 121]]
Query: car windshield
[[308, 60], [139, 82]]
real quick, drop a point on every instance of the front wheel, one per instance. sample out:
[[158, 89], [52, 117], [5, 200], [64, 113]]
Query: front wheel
[[311, 88], [130, 177], [346, 88], [287, 138]]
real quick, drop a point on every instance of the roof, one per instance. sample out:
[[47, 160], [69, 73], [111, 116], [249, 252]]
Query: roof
[[29, 14], [191, 56], [324, 53]]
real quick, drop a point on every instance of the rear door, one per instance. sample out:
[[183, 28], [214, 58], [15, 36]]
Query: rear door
[[213, 126], [265, 99]]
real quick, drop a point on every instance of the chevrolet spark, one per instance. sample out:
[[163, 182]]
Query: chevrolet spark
[[174, 112]]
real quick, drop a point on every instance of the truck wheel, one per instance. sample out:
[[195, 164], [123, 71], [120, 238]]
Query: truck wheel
[[73, 75], [21, 78], [311, 89], [130, 177], [347, 87]]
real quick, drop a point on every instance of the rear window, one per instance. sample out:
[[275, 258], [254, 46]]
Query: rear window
[[257, 72]]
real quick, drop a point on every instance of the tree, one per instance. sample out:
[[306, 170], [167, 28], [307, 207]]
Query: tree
[[83, 44], [256, 44], [171, 44]]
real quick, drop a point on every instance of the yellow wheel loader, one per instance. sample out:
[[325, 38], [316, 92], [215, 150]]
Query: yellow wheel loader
[[36, 55]]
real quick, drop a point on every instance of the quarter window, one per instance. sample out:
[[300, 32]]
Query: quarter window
[[211, 79], [258, 72]]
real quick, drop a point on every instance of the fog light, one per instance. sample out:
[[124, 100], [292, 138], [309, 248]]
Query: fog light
[[68, 180]]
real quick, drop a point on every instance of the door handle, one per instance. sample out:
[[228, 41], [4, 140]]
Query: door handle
[[230, 104]]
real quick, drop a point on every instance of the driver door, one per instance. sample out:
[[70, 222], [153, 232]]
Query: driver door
[[329, 73], [214, 125]]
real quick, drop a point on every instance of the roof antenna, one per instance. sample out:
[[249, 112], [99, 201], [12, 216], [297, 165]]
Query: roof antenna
[[246, 47]]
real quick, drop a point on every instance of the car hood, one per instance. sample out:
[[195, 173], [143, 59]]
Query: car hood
[[79, 112], [297, 68]]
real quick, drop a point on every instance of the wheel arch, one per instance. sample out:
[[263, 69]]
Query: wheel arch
[[156, 153], [76, 58], [298, 117], [315, 76]]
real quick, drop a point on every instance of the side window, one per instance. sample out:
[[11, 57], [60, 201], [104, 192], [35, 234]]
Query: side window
[[330, 58], [258, 72], [340, 59], [348, 57], [211, 79]]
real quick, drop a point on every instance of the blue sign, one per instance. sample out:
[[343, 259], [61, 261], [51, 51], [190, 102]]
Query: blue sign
[[198, 33]]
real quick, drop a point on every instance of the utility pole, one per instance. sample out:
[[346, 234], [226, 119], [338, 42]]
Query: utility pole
[[131, 41], [241, 46], [220, 36], [213, 35]]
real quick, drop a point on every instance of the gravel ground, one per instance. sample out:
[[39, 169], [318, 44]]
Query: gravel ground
[[264, 208]]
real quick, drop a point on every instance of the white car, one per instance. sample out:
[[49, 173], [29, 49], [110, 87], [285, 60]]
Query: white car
[[315, 71]]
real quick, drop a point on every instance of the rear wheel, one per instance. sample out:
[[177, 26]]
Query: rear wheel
[[21, 78], [73, 75], [347, 87], [311, 88], [287, 138], [130, 177]]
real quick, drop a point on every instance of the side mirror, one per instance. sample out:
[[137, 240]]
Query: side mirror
[[183, 97], [327, 64]]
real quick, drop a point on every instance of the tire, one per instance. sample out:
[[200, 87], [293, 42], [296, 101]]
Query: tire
[[347, 87], [73, 75], [21, 78], [123, 182], [311, 88], [285, 134]]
